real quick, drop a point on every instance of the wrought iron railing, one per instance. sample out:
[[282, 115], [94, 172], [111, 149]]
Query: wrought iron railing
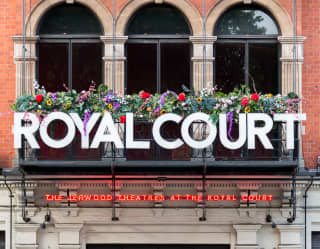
[[143, 131]]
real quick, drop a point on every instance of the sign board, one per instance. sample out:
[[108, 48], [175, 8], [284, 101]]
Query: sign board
[[248, 131]]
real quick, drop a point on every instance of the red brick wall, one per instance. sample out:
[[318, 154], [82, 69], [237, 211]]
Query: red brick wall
[[308, 25], [10, 25], [311, 80]]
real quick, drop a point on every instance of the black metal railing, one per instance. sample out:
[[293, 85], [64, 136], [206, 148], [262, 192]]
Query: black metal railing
[[143, 131]]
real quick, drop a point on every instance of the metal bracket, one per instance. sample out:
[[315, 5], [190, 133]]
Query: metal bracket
[[293, 199], [114, 217], [204, 210]]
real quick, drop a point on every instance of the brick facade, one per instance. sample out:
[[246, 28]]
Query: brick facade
[[308, 25]]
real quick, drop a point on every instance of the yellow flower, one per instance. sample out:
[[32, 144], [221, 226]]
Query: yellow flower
[[95, 107], [269, 95], [49, 102], [247, 109], [110, 106], [149, 109], [162, 112], [199, 99], [67, 106]]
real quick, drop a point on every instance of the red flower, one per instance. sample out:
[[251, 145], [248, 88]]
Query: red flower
[[182, 97], [145, 95], [39, 98], [123, 119], [255, 97], [244, 101]]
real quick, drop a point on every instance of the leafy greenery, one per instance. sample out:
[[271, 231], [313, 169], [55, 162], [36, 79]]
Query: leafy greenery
[[146, 106]]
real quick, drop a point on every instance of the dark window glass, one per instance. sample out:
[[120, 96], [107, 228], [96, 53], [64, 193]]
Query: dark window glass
[[141, 68], [263, 67], [86, 65], [2, 240], [175, 66], [69, 19], [246, 20], [53, 65], [230, 67], [315, 240], [158, 19]]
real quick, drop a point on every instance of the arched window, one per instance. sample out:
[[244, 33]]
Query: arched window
[[246, 51], [158, 50], [70, 51]]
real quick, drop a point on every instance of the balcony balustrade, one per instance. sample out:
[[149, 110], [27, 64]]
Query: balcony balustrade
[[214, 155]]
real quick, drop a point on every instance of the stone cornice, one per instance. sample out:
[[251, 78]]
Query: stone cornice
[[290, 39], [200, 39]]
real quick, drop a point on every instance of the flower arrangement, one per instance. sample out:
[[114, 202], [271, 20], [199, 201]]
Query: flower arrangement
[[146, 106]]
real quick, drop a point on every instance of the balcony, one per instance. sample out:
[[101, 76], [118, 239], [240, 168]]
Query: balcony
[[216, 157]]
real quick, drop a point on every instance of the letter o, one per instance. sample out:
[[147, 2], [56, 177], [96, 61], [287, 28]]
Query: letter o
[[185, 131], [54, 143]]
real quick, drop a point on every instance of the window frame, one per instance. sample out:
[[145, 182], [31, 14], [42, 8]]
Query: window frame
[[69, 39], [246, 40], [157, 40]]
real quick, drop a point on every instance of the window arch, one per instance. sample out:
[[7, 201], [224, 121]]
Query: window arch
[[158, 49], [158, 19], [69, 51], [246, 51]]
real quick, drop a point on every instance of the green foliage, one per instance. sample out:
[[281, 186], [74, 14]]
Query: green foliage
[[147, 106]]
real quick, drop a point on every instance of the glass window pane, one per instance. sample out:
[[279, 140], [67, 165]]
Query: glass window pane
[[263, 67], [230, 69], [70, 19], [86, 65], [158, 19], [141, 68], [53, 66], [246, 21], [175, 66]]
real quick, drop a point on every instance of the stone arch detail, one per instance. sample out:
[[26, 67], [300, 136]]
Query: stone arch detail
[[191, 13], [280, 14], [101, 11]]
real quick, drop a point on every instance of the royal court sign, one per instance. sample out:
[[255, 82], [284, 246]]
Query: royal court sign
[[107, 130]]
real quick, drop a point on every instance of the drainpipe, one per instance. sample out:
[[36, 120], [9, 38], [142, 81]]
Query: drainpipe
[[305, 212], [11, 196]]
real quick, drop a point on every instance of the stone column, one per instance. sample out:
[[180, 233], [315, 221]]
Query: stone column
[[246, 236], [198, 63], [30, 63], [119, 62], [69, 235], [290, 236], [287, 63], [26, 236]]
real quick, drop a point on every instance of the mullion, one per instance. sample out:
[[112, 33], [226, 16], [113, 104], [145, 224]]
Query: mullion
[[70, 65], [158, 67], [246, 64]]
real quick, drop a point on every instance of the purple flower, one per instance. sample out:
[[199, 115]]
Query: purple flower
[[85, 121], [116, 106]]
